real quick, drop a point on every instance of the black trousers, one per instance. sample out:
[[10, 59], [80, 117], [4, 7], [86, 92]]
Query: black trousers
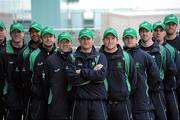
[[172, 105], [89, 110], [14, 114], [159, 102], [119, 110], [2, 109], [37, 110], [148, 115]]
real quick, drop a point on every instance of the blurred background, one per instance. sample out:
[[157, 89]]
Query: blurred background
[[72, 15]]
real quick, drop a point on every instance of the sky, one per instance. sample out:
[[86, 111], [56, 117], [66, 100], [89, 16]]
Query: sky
[[133, 4], [100, 4]]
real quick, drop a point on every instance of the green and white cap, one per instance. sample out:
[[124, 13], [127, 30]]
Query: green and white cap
[[65, 35], [17, 26], [86, 32], [146, 25], [130, 31], [171, 18], [110, 30]]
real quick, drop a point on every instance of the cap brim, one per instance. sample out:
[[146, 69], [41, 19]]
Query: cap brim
[[158, 26], [15, 29], [65, 38], [166, 22], [34, 28], [129, 35], [85, 35], [49, 33], [145, 28], [2, 27], [110, 33]]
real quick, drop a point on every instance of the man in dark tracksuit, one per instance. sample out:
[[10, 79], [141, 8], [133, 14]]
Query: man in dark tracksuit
[[56, 82], [37, 110], [171, 24], [23, 63], [86, 72], [165, 64], [2, 45], [148, 78], [121, 85], [170, 95], [11, 87]]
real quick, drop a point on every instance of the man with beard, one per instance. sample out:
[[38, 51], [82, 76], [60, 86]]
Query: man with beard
[[165, 64], [171, 22], [8, 57], [171, 98]]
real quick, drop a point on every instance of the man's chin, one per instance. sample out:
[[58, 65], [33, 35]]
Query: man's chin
[[48, 46], [17, 41], [36, 41]]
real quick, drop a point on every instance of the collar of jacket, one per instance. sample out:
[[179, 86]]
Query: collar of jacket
[[154, 46], [62, 54], [33, 45], [10, 48], [131, 49], [46, 50], [116, 55], [83, 55]]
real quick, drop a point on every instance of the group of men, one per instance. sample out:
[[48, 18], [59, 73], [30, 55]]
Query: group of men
[[47, 81]]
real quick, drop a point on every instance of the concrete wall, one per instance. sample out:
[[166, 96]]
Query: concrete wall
[[120, 22]]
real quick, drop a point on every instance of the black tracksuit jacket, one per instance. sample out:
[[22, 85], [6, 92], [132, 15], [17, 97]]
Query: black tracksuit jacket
[[56, 85], [148, 79], [12, 88], [170, 67], [24, 70], [95, 88], [117, 85], [39, 73]]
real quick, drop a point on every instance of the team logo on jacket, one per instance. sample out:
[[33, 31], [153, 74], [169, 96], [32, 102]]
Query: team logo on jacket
[[57, 70], [80, 64], [66, 67], [40, 63], [17, 70], [43, 74], [11, 62], [153, 56], [93, 64], [119, 65], [137, 65]]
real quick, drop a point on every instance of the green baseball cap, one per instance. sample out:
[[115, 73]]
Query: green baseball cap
[[146, 25], [2, 25], [47, 30], [65, 35], [15, 26], [35, 25], [171, 18], [110, 30], [86, 32], [158, 24], [130, 31]]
